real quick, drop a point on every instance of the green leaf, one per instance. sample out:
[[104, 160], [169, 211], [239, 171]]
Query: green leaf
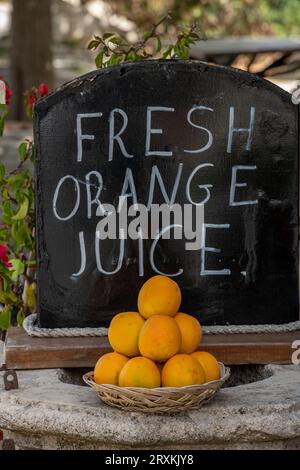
[[3, 232], [131, 57], [20, 233], [182, 52], [194, 36], [93, 44], [114, 60], [118, 41], [158, 45], [30, 297], [30, 263], [107, 35], [23, 210], [5, 317], [7, 212], [5, 194], [17, 269], [23, 151], [147, 35], [168, 52], [106, 51], [6, 282], [99, 60], [16, 183], [2, 170], [4, 110], [137, 57], [8, 297], [20, 317]]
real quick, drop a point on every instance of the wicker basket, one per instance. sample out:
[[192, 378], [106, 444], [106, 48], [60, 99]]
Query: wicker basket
[[164, 400]]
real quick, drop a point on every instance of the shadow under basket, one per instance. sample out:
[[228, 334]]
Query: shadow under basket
[[163, 400]]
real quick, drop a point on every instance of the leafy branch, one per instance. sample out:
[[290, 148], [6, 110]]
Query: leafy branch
[[3, 115], [113, 49], [17, 286]]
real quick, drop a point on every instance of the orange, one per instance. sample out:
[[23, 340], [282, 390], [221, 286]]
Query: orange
[[123, 333], [160, 338], [209, 363], [108, 368], [140, 372], [191, 332], [182, 370], [160, 295]]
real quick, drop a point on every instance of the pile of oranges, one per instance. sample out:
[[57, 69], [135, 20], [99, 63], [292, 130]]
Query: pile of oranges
[[157, 345]]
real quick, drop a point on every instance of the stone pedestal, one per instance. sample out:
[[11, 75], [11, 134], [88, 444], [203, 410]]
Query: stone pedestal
[[48, 413]]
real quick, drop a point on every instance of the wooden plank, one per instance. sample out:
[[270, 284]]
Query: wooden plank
[[273, 348], [25, 352]]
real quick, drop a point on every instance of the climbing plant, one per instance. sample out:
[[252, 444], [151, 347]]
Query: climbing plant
[[17, 230]]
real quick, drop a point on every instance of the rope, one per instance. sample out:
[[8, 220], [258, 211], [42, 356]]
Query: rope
[[31, 328], [237, 329]]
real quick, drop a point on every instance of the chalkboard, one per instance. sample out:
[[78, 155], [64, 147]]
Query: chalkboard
[[181, 132]]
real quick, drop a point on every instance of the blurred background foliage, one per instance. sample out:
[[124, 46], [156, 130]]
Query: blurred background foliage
[[46, 40], [218, 18]]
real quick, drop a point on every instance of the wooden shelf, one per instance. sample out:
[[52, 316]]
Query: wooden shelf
[[24, 352]]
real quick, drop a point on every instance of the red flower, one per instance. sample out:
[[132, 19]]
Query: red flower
[[8, 92], [4, 257], [8, 95], [32, 98], [33, 95], [43, 90]]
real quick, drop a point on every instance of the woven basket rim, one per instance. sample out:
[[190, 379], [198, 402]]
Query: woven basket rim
[[225, 373]]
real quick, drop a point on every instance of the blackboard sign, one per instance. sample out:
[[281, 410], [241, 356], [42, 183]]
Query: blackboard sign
[[176, 133]]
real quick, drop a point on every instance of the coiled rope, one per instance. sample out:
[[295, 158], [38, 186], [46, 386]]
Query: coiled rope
[[32, 329]]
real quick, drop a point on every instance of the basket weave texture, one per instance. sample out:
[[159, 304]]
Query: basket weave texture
[[164, 400]]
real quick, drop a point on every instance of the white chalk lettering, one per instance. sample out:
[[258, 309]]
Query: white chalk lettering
[[98, 255], [201, 186], [152, 251], [117, 137], [99, 187], [210, 136], [234, 185], [80, 136], [141, 253], [83, 255], [247, 130], [205, 249], [150, 131], [56, 194], [155, 175], [128, 184]]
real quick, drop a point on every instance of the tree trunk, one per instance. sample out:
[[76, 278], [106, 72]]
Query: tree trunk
[[31, 56]]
